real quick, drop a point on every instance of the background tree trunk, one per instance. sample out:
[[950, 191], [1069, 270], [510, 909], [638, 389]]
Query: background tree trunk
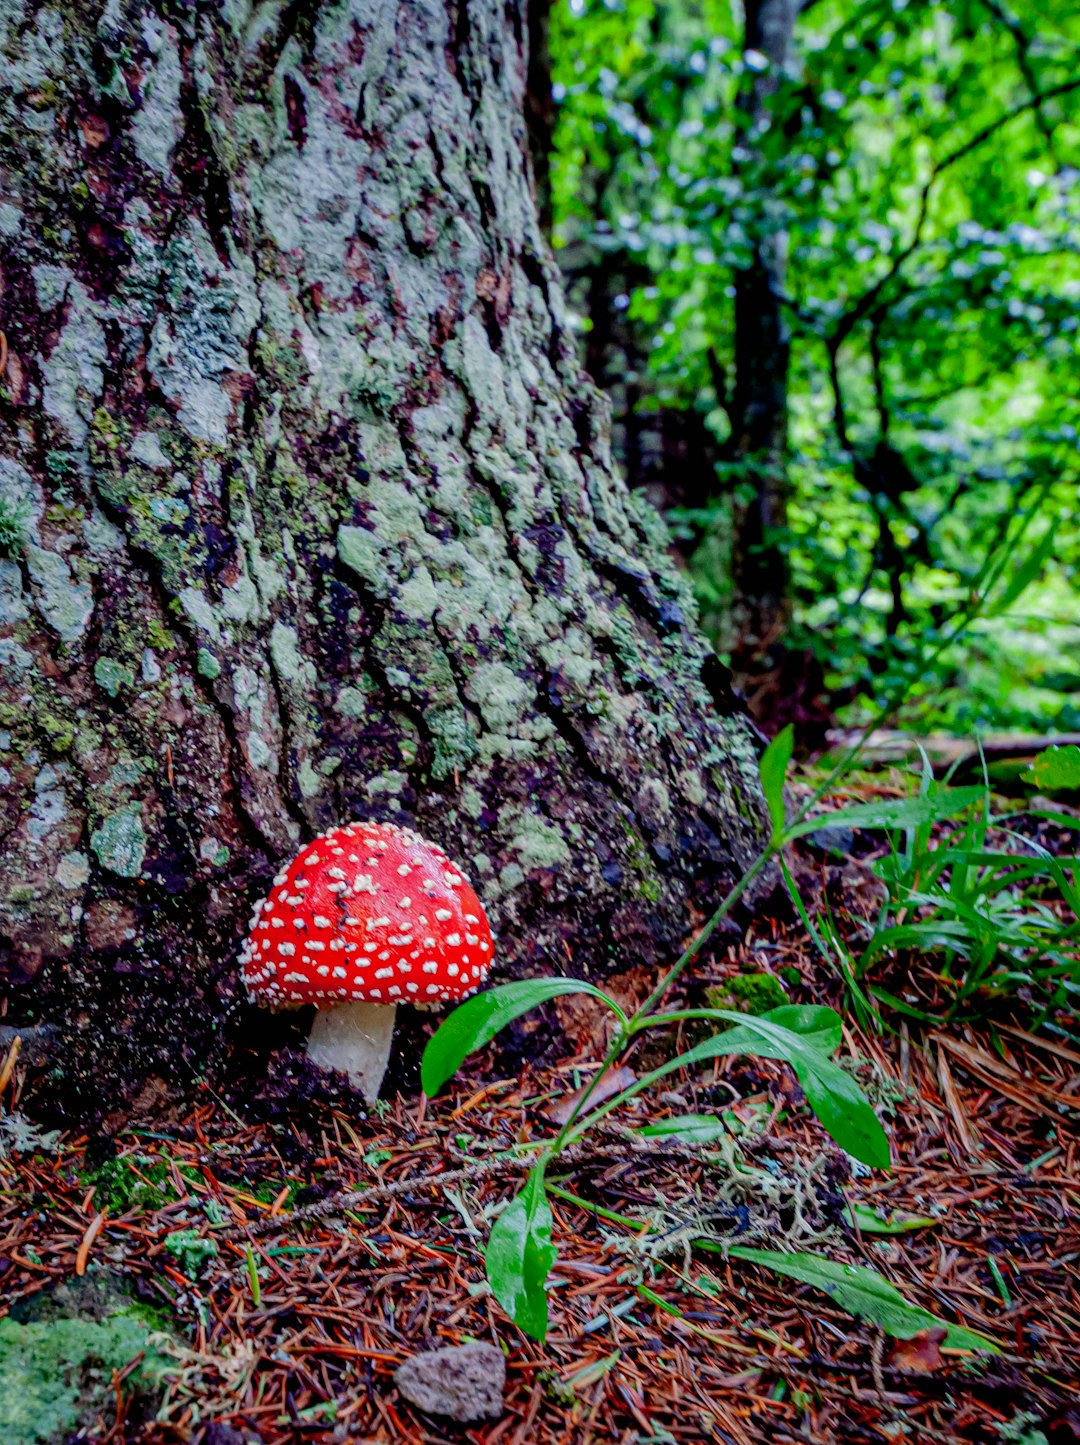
[[758, 407], [309, 514]]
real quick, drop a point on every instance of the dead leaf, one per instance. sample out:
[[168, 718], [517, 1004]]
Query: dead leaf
[[921, 1355], [613, 1082]]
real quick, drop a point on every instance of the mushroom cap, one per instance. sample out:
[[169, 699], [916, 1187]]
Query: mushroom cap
[[367, 912]]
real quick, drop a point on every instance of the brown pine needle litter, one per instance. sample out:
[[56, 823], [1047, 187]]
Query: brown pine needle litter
[[337, 1246]]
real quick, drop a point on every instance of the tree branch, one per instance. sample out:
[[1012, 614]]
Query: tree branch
[[1022, 42], [870, 297]]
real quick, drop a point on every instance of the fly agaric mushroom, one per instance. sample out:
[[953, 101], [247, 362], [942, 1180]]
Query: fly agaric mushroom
[[368, 916]]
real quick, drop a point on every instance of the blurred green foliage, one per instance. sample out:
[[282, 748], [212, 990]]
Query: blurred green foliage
[[919, 162]]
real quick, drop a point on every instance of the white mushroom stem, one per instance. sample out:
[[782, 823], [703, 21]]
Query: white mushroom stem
[[355, 1039]]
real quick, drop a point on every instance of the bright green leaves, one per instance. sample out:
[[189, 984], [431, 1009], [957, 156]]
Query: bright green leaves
[[863, 1292], [480, 1018], [912, 812], [932, 805], [520, 1251], [520, 1255]]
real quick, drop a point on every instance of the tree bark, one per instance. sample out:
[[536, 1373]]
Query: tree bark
[[758, 407], [307, 513]]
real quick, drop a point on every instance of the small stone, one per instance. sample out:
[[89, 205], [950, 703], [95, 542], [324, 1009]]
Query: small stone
[[465, 1382]]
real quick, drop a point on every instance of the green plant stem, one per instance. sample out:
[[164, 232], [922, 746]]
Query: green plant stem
[[597, 1209], [623, 1097], [760, 863], [618, 1044], [253, 1277]]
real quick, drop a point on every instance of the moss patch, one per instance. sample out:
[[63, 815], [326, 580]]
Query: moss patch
[[126, 1183], [748, 993], [57, 1361]]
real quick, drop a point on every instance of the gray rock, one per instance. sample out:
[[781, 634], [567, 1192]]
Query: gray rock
[[465, 1382]]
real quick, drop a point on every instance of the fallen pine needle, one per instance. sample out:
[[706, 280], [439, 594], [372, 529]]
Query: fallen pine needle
[[9, 1062], [92, 1232]]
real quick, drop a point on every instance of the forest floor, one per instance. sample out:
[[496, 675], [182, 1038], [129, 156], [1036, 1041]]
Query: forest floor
[[297, 1259]]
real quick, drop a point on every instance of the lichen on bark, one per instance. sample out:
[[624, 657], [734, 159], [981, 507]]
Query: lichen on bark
[[320, 518]]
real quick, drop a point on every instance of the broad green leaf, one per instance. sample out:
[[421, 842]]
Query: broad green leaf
[[479, 1019], [1054, 769], [863, 1292], [821, 1026], [870, 1221], [519, 1257], [693, 1128], [896, 812], [835, 1097], [773, 769]]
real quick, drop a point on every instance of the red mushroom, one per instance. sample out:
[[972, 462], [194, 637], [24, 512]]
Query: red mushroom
[[368, 916]]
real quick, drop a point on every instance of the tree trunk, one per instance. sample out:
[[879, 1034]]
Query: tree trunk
[[540, 108], [758, 409], [308, 514]]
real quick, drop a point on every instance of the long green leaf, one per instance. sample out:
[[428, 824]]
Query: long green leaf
[[863, 1292], [869, 1221], [820, 1026], [479, 1019], [519, 1257], [773, 770], [691, 1128], [895, 812], [835, 1097]]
